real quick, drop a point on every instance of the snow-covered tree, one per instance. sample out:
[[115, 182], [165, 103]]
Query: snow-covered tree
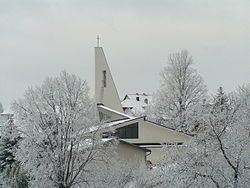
[[11, 175], [218, 156], [244, 95], [182, 88], [8, 144], [123, 174], [220, 97], [54, 120]]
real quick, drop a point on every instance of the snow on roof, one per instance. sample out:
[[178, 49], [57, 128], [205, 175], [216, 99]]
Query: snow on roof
[[117, 122], [111, 124], [114, 111], [136, 103], [140, 95]]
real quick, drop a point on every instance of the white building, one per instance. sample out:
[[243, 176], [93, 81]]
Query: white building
[[136, 104], [134, 130]]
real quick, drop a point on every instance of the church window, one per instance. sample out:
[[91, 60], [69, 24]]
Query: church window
[[104, 80], [130, 131], [138, 98]]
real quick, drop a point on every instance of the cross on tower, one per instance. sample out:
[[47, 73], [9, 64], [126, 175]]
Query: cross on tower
[[98, 40]]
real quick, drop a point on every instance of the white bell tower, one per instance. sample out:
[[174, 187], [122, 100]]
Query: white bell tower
[[105, 90]]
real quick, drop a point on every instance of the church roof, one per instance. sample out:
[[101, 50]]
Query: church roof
[[114, 111], [128, 118], [112, 123]]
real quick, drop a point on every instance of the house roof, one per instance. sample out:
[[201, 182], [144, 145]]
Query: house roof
[[140, 95], [113, 111], [136, 102], [118, 122]]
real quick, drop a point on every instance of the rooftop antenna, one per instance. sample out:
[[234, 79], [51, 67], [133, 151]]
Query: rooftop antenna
[[98, 40]]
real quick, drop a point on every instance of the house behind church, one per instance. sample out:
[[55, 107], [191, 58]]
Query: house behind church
[[136, 104]]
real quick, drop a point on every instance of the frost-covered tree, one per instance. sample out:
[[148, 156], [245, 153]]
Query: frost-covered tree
[[11, 174], [8, 144], [122, 173], [182, 88], [220, 97], [54, 119], [218, 156]]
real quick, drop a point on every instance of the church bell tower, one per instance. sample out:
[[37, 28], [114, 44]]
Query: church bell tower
[[105, 90]]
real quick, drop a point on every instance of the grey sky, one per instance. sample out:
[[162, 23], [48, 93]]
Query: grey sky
[[42, 38]]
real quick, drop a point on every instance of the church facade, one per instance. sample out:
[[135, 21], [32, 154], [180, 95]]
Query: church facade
[[136, 130]]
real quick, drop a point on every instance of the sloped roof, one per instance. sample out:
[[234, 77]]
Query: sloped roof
[[114, 111], [112, 123], [136, 102], [141, 95]]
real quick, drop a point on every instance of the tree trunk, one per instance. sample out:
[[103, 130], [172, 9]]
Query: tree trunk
[[61, 186], [236, 179]]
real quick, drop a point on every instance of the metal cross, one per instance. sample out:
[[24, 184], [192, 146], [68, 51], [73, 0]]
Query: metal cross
[[98, 40]]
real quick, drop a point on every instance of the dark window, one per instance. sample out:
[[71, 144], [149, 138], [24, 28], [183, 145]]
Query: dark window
[[104, 80], [146, 101], [101, 116], [137, 98], [130, 131]]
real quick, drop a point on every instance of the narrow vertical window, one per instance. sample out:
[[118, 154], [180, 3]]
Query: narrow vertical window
[[104, 80]]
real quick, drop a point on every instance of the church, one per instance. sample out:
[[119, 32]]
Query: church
[[121, 122]]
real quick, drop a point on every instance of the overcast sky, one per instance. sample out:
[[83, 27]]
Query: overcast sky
[[40, 38]]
